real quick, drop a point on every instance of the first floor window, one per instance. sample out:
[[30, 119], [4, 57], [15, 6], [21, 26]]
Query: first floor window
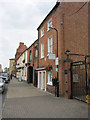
[[50, 45], [42, 32], [30, 56], [42, 50], [36, 52], [49, 24], [50, 77]]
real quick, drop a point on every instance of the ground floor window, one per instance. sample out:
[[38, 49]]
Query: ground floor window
[[50, 77]]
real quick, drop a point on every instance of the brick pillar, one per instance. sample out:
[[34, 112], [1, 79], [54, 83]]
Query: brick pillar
[[67, 80]]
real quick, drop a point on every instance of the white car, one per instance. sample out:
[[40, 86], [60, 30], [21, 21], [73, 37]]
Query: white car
[[5, 77], [2, 85]]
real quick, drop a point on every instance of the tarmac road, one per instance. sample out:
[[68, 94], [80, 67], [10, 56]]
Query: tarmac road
[[2, 99]]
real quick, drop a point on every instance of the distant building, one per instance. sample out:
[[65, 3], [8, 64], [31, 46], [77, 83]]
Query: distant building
[[21, 72], [11, 66], [19, 51]]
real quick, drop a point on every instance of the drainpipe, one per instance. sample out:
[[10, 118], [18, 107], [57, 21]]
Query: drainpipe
[[38, 51]]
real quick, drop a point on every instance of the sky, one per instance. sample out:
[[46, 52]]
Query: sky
[[19, 20]]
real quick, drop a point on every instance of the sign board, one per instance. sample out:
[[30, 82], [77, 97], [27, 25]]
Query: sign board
[[51, 56], [56, 61], [56, 69], [75, 78]]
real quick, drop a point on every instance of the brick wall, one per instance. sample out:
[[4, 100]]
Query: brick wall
[[72, 35], [34, 61]]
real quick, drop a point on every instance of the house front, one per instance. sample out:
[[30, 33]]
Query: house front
[[21, 66], [32, 63]]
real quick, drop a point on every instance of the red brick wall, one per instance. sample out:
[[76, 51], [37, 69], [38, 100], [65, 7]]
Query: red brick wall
[[73, 35], [34, 61], [19, 50]]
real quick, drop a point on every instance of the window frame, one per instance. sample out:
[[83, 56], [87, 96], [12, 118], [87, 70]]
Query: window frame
[[36, 49], [30, 56], [42, 48], [50, 76], [42, 31], [50, 44], [48, 24]]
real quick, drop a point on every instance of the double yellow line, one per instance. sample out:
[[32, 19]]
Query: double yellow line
[[88, 99]]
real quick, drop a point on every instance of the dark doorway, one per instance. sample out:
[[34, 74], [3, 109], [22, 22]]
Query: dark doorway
[[30, 74], [35, 78]]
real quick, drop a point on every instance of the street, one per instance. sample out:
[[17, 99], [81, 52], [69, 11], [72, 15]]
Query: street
[[26, 101], [2, 99]]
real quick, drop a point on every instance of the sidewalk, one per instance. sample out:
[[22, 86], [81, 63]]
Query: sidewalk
[[26, 101]]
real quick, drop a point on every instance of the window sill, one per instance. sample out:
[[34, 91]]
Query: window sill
[[41, 58], [42, 36], [50, 84]]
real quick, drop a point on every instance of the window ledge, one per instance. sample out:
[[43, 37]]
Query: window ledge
[[42, 36], [50, 84], [41, 58]]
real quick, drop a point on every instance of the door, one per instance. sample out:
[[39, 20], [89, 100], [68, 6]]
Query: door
[[30, 74], [35, 78], [42, 80]]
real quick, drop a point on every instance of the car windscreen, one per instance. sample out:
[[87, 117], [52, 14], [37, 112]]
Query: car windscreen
[[1, 80], [4, 75]]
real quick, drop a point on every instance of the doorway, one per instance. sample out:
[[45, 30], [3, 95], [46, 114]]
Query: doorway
[[30, 74]]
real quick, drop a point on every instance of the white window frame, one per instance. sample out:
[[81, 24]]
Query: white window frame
[[42, 50], [49, 25], [42, 32], [50, 44], [50, 78], [36, 52]]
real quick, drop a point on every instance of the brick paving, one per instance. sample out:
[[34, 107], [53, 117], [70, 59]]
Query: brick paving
[[26, 101]]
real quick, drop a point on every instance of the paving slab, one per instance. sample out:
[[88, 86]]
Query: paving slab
[[26, 101]]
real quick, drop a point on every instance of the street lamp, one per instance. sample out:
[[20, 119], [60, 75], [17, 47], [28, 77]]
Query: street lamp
[[67, 53], [57, 58]]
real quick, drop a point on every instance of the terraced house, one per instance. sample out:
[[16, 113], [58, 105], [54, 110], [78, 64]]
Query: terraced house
[[32, 63], [61, 52], [70, 20], [21, 66]]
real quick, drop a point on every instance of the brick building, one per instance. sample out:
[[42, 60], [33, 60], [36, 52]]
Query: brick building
[[32, 63], [21, 66], [71, 21], [19, 50]]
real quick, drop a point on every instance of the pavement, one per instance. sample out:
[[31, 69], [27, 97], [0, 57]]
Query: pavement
[[26, 101]]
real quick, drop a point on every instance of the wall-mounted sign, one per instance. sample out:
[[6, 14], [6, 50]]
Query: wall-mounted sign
[[56, 61], [51, 56], [56, 69], [75, 78]]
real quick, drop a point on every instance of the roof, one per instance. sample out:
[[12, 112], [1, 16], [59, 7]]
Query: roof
[[57, 4], [12, 59], [21, 53], [27, 49], [32, 44]]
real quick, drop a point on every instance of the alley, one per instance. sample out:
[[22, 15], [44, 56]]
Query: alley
[[26, 101]]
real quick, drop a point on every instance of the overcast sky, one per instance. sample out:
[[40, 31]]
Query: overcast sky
[[19, 20]]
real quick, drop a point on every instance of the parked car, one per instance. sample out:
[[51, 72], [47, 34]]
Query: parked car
[[5, 77], [2, 84]]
